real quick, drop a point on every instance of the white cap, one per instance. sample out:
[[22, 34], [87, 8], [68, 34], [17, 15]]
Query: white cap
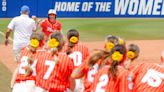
[[52, 11]]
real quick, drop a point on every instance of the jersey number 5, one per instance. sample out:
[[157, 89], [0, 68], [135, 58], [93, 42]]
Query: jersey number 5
[[153, 78]]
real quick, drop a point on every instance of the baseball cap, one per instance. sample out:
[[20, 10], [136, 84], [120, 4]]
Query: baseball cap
[[52, 11], [25, 8]]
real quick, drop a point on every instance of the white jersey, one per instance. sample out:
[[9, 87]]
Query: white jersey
[[23, 27]]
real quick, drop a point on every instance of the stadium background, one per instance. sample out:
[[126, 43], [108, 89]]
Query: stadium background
[[145, 30]]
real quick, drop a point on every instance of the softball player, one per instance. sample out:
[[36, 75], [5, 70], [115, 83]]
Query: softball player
[[77, 51], [53, 69], [26, 70], [112, 78], [89, 68], [50, 24], [148, 77]]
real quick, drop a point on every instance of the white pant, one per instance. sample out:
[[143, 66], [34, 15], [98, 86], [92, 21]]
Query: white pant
[[17, 54], [79, 85], [24, 86], [39, 89]]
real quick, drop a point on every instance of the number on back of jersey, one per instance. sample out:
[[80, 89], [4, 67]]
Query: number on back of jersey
[[153, 78]]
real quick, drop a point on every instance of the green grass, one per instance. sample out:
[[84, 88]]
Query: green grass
[[5, 76], [97, 29]]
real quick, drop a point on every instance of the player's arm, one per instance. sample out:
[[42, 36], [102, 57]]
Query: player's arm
[[14, 76], [72, 83], [7, 36], [78, 72], [9, 30]]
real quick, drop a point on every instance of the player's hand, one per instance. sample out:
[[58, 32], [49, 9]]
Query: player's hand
[[6, 42]]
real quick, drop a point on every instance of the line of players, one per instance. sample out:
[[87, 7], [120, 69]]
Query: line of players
[[60, 66]]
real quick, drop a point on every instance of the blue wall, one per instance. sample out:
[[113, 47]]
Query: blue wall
[[88, 8], [37, 7]]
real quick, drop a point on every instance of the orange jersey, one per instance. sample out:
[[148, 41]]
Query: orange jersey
[[104, 83], [46, 24], [79, 53], [89, 75], [54, 76], [148, 77], [23, 61]]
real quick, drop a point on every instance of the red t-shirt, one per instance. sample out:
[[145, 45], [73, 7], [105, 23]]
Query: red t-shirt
[[46, 24]]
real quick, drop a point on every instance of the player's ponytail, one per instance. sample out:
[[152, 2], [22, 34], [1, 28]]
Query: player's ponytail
[[118, 56], [55, 44], [98, 55], [95, 57], [56, 41], [73, 38]]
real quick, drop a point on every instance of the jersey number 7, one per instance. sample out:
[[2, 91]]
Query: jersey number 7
[[51, 67]]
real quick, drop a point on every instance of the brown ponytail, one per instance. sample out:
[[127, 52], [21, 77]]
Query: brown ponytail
[[59, 37], [113, 68], [98, 55], [71, 33]]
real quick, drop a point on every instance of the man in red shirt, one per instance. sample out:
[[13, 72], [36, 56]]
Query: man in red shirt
[[50, 24]]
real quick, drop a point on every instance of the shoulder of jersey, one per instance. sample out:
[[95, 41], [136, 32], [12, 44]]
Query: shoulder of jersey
[[62, 53], [41, 50]]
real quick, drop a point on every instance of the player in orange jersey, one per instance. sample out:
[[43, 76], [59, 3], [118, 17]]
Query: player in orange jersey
[[94, 63], [54, 68], [114, 77], [24, 76], [77, 51], [148, 77]]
